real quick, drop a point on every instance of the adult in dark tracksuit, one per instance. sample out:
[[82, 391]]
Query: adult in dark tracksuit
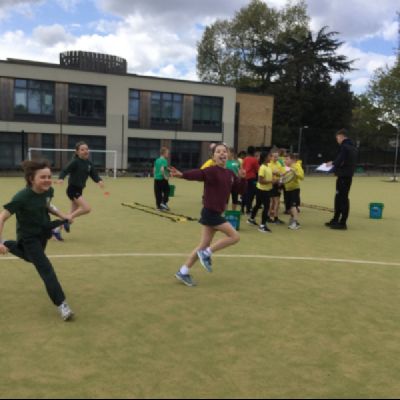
[[32, 207], [343, 167]]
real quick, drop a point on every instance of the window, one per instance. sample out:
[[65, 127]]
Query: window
[[34, 100], [94, 143], [12, 149], [49, 142], [207, 114], [166, 110], [142, 153], [87, 105], [185, 155], [134, 109]]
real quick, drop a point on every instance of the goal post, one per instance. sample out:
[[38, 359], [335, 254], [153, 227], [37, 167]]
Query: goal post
[[113, 153]]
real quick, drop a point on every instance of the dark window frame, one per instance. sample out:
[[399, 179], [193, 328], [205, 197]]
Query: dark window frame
[[163, 121], [186, 154], [98, 159], [134, 95], [208, 105], [42, 88], [148, 150], [86, 98]]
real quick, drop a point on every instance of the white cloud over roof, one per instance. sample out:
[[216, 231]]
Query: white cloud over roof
[[159, 37]]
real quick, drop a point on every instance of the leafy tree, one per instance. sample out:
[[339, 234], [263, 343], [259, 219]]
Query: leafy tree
[[384, 93], [273, 51]]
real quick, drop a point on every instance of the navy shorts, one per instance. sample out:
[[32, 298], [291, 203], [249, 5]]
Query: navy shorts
[[276, 190], [211, 218], [74, 192], [293, 198]]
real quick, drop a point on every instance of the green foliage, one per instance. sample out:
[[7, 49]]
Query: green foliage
[[273, 51], [384, 93]]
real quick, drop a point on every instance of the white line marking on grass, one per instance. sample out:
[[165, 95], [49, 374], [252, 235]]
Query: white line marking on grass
[[250, 256]]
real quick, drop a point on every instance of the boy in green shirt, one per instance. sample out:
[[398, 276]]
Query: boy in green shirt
[[161, 177], [32, 207], [233, 164]]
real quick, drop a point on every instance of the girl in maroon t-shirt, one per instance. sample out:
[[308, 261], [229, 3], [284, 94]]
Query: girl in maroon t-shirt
[[218, 185]]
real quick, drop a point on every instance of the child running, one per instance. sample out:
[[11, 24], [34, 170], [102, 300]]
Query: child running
[[218, 184], [293, 189], [79, 170], [264, 187], [32, 207]]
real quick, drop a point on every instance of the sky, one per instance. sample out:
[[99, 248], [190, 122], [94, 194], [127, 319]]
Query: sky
[[159, 37]]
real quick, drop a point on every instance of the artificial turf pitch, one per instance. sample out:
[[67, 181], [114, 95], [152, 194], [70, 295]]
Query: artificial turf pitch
[[300, 323]]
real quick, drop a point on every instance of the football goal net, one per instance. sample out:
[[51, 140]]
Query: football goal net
[[105, 161]]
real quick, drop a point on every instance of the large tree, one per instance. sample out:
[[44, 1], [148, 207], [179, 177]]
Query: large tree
[[273, 51], [384, 93], [249, 49]]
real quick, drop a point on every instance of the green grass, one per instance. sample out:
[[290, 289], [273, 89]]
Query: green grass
[[255, 328]]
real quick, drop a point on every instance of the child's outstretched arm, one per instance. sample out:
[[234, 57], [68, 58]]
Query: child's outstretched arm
[[53, 210], [4, 216]]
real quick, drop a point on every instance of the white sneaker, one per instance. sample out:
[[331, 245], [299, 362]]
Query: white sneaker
[[294, 225], [65, 312]]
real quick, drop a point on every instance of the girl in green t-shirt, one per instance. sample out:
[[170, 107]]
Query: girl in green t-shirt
[[32, 207]]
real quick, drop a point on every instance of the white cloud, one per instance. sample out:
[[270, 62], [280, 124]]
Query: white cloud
[[159, 38], [365, 64], [23, 7], [51, 35], [353, 19], [68, 5]]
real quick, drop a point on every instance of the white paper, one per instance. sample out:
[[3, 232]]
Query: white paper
[[324, 167]]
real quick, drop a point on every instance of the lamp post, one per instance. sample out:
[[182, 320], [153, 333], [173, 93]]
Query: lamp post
[[396, 157], [300, 138]]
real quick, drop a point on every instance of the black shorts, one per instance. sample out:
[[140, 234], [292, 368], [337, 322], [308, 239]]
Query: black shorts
[[276, 190], [211, 218], [74, 192], [235, 198], [293, 198]]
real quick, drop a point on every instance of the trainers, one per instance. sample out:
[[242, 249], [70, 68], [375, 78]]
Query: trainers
[[65, 312], [205, 260], [186, 279], [164, 207], [264, 229], [67, 226], [57, 235], [252, 221], [330, 223], [339, 226], [294, 225], [278, 221]]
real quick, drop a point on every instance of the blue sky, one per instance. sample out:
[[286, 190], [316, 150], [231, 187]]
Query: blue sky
[[158, 37]]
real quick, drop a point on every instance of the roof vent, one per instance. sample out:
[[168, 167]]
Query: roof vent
[[94, 62]]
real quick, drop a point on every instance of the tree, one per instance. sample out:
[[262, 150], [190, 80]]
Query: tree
[[273, 51], [384, 93], [248, 51]]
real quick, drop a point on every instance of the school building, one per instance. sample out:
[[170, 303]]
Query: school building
[[92, 97]]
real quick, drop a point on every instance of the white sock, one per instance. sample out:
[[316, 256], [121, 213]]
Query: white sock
[[184, 270], [208, 251]]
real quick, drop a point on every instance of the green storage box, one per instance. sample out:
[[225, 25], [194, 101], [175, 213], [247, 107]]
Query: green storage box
[[376, 210], [233, 217]]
